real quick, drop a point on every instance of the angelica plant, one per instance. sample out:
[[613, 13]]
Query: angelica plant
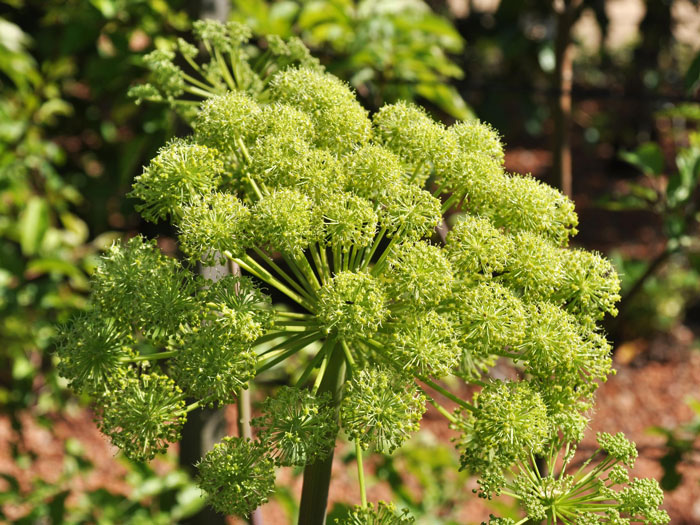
[[287, 176]]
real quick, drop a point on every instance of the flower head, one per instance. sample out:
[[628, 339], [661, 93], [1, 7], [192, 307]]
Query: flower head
[[352, 304], [299, 427], [237, 476], [381, 408], [179, 171], [92, 351], [383, 514], [143, 415]]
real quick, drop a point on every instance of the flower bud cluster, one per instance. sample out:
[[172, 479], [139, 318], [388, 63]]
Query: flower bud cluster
[[384, 514], [592, 494], [381, 408], [148, 301], [300, 427], [237, 475]]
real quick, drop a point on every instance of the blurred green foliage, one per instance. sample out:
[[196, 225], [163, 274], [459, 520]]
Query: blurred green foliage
[[656, 292], [387, 49], [679, 447], [151, 498], [70, 143]]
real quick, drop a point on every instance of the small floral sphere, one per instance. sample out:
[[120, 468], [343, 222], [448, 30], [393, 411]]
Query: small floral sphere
[[238, 304], [618, 447], [213, 364], [298, 426], [339, 119], [510, 422], [92, 351], [419, 274], [179, 171], [525, 204], [590, 285], [409, 212], [352, 305], [381, 408], [213, 224], [474, 136], [425, 343], [534, 268], [373, 170], [237, 476], [384, 514], [286, 220], [349, 221], [143, 415], [420, 141], [142, 288], [491, 319], [224, 119], [477, 249]]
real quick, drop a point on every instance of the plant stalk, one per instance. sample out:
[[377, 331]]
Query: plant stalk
[[317, 476]]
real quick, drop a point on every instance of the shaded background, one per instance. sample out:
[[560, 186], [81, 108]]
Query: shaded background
[[596, 97]]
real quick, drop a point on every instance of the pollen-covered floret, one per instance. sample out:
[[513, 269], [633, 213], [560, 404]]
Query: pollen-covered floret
[[212, 363], [352, 304], [384, 514], [237, 476], [534, 268], [424, 343], [349, 221], [286, 220], [477, 249], [410, 212], [212, 224], [509, 423], [339, 119], [298, 426], [552, 339], [420, 142], [238, 305], [92, 349], [373, 171], [280, 161], [527, 204], [419, 274], [223, 120], [179, 171], [490, 319], [381, 408], [474, 136], [279, 120], [590, 285], [139, 286], [143, 415]]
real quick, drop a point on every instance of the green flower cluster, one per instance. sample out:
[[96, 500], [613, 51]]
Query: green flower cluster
[[148, 308], [286, 175], [301, 427], [384, 514], [592, 494]]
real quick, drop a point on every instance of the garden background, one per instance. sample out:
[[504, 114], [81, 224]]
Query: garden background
[[599, 98]]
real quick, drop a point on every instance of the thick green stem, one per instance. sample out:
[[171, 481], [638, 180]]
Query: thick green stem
[[317, 476]]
